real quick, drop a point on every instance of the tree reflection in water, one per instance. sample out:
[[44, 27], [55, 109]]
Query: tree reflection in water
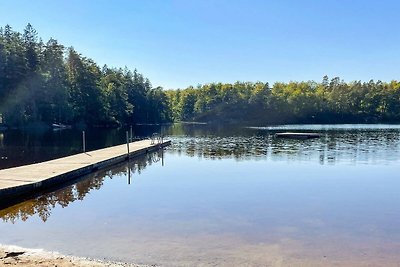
[[43, 205], [357, 146]]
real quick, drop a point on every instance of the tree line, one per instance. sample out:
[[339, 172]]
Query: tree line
[[48, 83], [328, 101]]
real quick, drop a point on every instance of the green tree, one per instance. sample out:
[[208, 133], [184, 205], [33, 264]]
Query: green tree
[[13, 94], [188, 101], [54, 105], [86, 97], [116, 89]]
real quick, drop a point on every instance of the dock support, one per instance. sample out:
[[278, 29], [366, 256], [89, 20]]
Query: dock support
[[83, 141]]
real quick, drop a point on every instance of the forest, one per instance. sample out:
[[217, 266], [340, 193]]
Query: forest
[[330, 101], [44, 83]]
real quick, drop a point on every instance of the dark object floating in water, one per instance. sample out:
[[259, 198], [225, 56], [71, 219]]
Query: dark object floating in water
[[298, 135]]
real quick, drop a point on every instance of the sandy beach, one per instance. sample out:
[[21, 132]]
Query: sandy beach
[[17, 256]]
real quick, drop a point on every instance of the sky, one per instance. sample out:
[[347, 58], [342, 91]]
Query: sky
[[178, 43]]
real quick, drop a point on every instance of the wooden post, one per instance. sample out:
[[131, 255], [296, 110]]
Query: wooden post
[[127, 141], [131, 134], [83, 141]]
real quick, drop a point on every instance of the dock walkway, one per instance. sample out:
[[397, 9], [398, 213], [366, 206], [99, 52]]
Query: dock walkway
[[28, 179]]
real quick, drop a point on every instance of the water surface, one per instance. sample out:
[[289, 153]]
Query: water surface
[[231, 196]]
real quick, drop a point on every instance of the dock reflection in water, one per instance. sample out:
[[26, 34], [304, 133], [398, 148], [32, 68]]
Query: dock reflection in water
[[42, 205]]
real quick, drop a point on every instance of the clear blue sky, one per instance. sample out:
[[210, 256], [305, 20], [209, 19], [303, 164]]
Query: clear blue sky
[[177, 43]]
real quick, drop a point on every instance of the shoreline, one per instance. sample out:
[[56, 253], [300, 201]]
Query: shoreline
[[11, 255]]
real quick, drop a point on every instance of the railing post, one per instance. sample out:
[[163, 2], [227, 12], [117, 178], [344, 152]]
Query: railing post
[[83, 142]]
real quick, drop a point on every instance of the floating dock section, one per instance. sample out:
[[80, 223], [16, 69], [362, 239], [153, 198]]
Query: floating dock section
[[33, 178], [298, 135]]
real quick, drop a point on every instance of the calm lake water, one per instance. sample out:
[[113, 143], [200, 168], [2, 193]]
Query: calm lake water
[[220, 196]]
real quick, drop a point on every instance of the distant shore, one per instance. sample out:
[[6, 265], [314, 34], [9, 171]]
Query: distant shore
[[18, 256]]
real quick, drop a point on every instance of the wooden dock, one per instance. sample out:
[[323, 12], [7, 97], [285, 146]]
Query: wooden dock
[[29, 179]]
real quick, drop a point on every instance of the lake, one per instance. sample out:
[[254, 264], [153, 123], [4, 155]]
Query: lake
[[220, 196]]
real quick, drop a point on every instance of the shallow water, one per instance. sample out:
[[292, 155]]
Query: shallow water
[[231, 196]]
